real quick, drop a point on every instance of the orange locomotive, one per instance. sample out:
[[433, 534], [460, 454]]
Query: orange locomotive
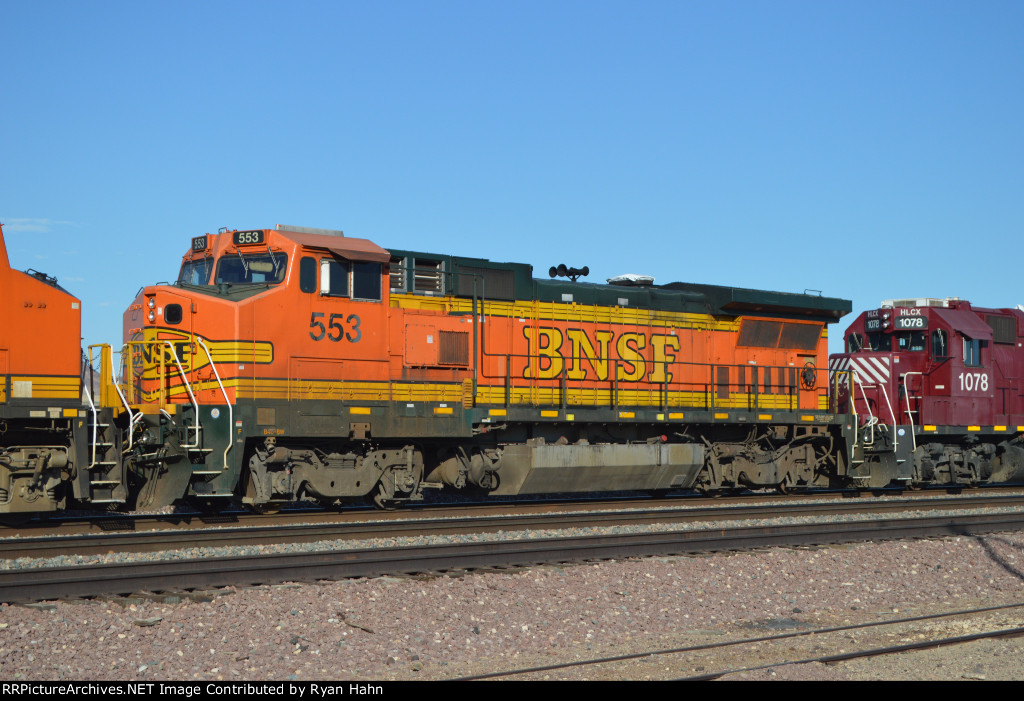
[[296, 362], [52, 447]]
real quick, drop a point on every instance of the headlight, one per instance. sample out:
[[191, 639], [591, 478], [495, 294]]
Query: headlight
[[152, 315]]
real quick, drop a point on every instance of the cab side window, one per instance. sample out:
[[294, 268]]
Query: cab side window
[[972, 351], [355, 279], [307, 275], [334, 278], [940, 350], [366, 281]]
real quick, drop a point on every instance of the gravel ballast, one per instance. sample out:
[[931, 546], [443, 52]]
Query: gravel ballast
[[447, 627]]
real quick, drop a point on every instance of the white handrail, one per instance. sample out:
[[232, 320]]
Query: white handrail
[[892, 415], [188, 388], [906, 395], [231, 414], [871, 415], [132, 418], [873, 421], [95, 422]]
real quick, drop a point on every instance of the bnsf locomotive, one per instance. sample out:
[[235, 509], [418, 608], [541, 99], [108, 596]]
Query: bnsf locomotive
[[52, 446], [297, 363]]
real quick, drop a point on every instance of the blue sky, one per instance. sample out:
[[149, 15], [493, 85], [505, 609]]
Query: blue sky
[[866, 149]]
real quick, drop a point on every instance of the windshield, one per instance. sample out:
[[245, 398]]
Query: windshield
[[268, 268], [912, 341], [196, 272]]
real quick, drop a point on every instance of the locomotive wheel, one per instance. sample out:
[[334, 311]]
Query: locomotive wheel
[[384, 496]]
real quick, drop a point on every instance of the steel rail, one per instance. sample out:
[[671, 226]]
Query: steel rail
[[361, 527], [59, 524], [36, 584]]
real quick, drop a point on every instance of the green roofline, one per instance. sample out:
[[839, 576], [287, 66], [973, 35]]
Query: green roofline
[[516, 281]]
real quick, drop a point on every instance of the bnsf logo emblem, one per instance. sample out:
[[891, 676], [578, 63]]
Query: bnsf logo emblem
[[148, 357], [586, 357]]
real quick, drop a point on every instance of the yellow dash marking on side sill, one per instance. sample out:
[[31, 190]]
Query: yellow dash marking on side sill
[[807, 418], [764, 417], [677, 415], [497, 412], [929, 428], [359, 410], [70, 413], [1000, 428], [1020, 428], [974, 428], [549, 414], [443, 410], [721, 416], [627, 415]]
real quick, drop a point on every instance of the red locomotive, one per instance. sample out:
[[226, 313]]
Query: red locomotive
[[936, 388]]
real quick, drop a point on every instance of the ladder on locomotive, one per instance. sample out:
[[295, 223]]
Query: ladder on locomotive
[[105, 471]]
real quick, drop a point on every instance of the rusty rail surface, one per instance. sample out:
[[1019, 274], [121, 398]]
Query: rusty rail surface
[[254, 529]]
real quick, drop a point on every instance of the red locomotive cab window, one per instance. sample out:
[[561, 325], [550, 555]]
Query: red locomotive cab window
[[854, 343], [972, 352], [940, 347], [910, 341]]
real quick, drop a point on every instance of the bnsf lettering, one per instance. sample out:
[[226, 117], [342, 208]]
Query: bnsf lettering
[[155, 353], [589, 356]]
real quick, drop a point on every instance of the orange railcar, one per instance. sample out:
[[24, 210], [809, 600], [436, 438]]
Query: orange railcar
[[51, 446]]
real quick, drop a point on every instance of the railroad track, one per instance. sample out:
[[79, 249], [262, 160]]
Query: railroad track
[[144, 533], [97, 523], [42, 583], [800, 646]]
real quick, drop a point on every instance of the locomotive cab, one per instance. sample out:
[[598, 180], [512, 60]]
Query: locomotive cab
[[269, 316]]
